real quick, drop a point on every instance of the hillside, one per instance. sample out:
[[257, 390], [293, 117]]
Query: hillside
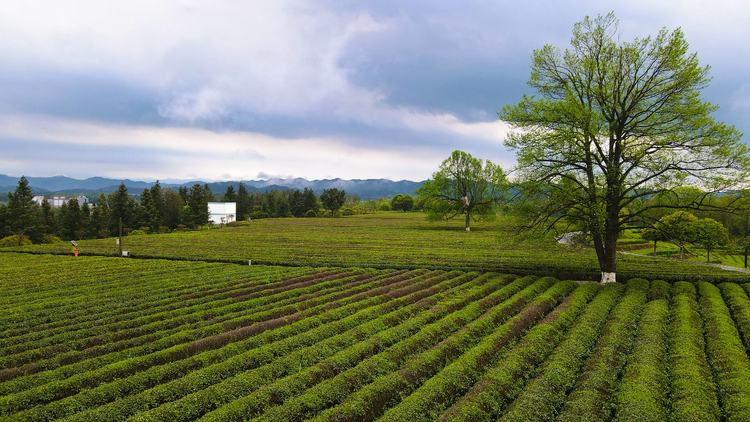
[[366, 189]]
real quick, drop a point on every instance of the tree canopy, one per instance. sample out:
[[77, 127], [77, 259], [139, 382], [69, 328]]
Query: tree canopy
[[332, 199], [466, 186], [614, 123]]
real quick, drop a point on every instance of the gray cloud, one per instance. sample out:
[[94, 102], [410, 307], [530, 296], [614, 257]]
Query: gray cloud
[[387, 76]]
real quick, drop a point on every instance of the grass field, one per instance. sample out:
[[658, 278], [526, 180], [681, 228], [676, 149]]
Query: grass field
[[393, 241], [102, 339]]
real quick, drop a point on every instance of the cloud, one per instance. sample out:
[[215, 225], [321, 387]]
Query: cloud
[[300, 88], [81, 149]]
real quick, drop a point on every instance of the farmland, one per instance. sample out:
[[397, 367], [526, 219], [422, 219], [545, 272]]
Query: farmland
[[434, 324], [388, 241]]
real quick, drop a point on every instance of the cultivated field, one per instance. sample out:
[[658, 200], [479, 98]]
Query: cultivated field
[[390, 241], [424, 336], [110, 339]]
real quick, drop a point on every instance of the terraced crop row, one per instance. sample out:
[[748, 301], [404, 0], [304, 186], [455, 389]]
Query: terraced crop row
[[92, 339]]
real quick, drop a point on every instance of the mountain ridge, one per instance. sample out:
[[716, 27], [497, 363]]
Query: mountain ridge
[[364, 188]]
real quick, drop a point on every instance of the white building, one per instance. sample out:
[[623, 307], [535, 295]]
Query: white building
[[57, 201], [222, 212]]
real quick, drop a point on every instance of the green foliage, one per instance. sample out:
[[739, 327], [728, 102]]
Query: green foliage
[[644, 387], [709, 234], [617, 123], [394, 240], [50, 238], [401, 202], [332, 199], [442, 390], [590, 400], [146, 339], [500, 385], [15, 240], [466, 186], [23, 214], [545, 394], [693, 392], [729, 358], [677, 228]]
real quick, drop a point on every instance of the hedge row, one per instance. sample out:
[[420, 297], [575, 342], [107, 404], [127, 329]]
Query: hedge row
[[261, 393], [174, 292], [489, 398], [543, 396], [644, 388], [301, 331], [442, 390], [727, 355], [737, 301], [591, 398], [373, 399], [149, 323], [693, 392], [188, 341], [150, 388]]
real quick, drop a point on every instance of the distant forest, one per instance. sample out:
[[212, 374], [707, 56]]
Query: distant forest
[[160, 210]]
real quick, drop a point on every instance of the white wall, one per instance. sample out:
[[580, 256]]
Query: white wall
[[217, 210]]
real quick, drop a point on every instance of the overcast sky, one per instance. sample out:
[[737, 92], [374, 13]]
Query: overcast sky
[[238, 90]]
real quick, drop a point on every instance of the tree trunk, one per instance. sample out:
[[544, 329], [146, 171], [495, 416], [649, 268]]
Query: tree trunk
[[654, 247], [468, 219], [611, 233], [610, 259]]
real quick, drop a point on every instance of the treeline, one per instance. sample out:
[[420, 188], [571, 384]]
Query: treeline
[[159, 210]]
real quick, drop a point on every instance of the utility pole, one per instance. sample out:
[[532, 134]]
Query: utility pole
[[120, 242]]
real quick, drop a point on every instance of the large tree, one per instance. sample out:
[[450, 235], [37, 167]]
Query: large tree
[[466, 186], [709, 234], [615, 123], [24, 216], [121, 208]]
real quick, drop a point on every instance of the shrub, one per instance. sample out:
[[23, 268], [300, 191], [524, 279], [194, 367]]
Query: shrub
[[644, 387], [543, 396], [310, 214], [499, 386], [693, 395], [51, 238], [729, 359], [15, 240], [137, 233], [591, 399]]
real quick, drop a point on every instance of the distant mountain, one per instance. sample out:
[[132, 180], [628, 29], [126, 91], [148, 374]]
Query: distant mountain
[[365, 189]]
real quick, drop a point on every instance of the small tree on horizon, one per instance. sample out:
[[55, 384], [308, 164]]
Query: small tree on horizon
[[332, 199], [709, 234], [466, 186]]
